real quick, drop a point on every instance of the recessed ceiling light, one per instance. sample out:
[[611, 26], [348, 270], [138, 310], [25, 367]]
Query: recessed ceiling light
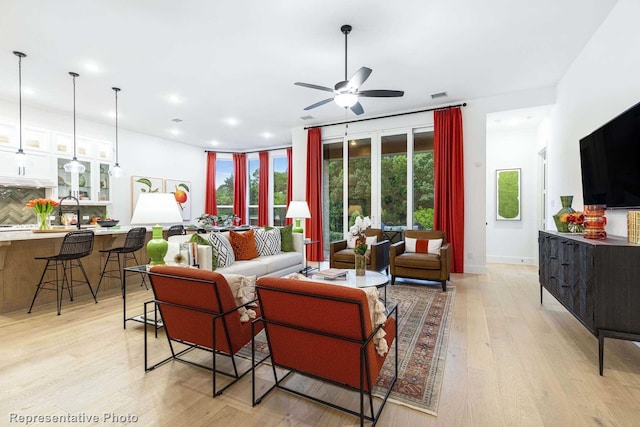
[[174, 131], [215, 143], [353, 142], [27, 91], [267, 135], [89, 66], [177, 120], [232, 121], [439, 95], [111, 114], [175, 99]]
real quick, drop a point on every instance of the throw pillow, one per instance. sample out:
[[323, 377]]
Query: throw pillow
[[268, 242], [286, 238], [425, 246], [243, 289], [351, 241], [196, 238], [222, 249], [244, 245]]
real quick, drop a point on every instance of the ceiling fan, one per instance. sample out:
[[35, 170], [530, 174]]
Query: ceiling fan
[[346, 93]]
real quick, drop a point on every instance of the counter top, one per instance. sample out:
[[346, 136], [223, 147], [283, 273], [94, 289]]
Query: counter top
[[10, 236]]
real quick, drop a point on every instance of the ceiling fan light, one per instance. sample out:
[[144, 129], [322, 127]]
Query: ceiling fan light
[[74, 166], [346, 100]]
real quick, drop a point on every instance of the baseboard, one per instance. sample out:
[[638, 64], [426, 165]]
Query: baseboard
[[512, 260], [475, 269]]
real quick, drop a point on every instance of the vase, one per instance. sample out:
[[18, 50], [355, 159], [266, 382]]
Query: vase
[[594, 222], [361, 265], [561, 225], [44, 223]]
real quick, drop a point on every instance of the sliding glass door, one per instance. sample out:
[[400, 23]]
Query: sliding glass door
[[387, 176]]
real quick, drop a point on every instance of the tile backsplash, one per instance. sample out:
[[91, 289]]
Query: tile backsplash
[[14, 212]]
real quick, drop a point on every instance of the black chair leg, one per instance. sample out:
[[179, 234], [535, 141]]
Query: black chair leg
[[86, 278], [393, 280], [444, 285], [39, 287]]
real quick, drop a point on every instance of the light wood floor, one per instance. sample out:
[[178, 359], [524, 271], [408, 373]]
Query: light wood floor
[[510, 361]]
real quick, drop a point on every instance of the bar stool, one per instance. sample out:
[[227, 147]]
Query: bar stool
[[75, 245], [133, 242], [176, 230]]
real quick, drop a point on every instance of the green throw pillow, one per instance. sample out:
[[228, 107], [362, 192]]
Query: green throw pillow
[[286, 238], [196, 238]]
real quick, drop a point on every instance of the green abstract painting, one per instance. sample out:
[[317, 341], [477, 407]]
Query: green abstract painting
[[508, 194]]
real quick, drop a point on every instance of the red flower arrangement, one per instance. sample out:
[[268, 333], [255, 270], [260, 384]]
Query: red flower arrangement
[[575, 222]]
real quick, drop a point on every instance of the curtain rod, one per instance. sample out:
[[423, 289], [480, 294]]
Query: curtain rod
[[284, 147], [446, 107]]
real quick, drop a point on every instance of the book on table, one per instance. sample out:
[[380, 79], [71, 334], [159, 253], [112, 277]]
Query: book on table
[[333, 273]]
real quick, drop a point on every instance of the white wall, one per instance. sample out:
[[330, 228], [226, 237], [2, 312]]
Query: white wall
[[513, 242], [602, 82], [139, 155]]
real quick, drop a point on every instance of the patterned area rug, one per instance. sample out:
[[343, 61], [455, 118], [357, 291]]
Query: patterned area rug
[[423, 334], [423, 330]]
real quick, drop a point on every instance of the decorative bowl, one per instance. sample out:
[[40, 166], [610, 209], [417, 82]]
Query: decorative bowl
[[108, 223]]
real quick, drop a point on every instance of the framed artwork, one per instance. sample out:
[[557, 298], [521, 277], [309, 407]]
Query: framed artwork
[[181, 190], [143, 184], [508, 194]]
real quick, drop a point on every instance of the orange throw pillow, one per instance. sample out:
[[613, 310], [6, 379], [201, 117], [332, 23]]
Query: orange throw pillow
[[244, 245], [422, 246]]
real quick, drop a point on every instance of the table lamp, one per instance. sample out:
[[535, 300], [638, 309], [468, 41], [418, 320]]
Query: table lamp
[[297, 210], [156, 208]]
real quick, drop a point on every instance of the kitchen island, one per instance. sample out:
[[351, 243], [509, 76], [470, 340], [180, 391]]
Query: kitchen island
[[20, 272]]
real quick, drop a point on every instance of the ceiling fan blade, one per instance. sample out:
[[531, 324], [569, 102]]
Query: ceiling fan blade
[[317, 104], [358, 78], [381, 93], [357, 108], [311, 86]]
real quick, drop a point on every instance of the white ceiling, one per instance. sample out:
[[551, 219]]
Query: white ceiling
[[240, 59]]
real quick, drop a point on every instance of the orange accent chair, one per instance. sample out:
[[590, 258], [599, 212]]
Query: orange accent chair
[[325, 332], [421, 265], [191, 302]]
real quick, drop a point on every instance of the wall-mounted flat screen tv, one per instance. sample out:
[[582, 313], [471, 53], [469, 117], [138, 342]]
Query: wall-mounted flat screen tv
[[610, 160]]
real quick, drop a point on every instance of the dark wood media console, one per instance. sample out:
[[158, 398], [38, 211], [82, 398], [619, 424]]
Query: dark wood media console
[[598, 281]]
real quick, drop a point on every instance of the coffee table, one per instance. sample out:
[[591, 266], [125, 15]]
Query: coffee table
[[370, 279]]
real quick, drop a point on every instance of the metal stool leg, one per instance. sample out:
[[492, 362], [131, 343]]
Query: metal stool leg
[[39, 287], [87, 280]]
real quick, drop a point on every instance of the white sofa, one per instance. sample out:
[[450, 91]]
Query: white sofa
[[272, 265]]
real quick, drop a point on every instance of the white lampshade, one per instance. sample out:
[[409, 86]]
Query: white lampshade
[[156, 208], [298, 209], [346, 100]]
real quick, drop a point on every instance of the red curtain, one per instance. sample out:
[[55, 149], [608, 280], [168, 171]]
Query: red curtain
[[289, 183], [314, 194], [449, 182], [240, 187], [263, 189], [210, 205]]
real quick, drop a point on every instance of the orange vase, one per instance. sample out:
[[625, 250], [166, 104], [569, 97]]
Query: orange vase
[[594, 222]]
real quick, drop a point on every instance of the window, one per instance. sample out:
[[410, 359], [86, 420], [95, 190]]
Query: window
[[423, 184], [224, 182], [280, 171], [254, 179], [387, 176], [393, 182], [333, 208]]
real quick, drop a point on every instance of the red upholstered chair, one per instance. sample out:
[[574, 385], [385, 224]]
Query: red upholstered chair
[[324, 331], [190, 302]]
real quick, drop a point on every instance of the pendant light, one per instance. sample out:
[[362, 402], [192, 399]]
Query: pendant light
[[116, 171], [74, 165], [21, 157]]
